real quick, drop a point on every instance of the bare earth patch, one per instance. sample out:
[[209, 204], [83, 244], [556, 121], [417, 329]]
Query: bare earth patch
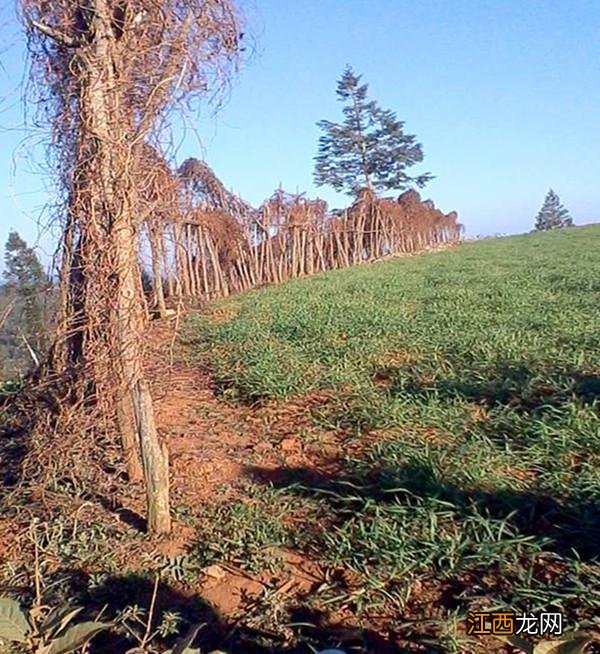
[[214, 448]]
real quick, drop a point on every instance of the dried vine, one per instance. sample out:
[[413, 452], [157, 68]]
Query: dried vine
[[107, 74], [217, 244]]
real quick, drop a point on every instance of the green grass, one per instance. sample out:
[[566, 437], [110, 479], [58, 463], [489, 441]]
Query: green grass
[[480, 368], [249, 533]]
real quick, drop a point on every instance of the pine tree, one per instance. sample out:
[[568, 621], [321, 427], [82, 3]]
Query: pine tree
[[25, 279], [553, 214], [369, 149]]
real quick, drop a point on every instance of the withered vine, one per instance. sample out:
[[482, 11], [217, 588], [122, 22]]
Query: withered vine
[[107, 73]]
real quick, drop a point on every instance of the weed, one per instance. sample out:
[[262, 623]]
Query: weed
[[249, 534]]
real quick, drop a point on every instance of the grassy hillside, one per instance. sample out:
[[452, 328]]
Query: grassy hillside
[[529, 301], [464, 388]]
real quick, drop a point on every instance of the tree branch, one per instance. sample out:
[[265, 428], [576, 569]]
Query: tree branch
[[53, 33], [32, 354], [6, 311]]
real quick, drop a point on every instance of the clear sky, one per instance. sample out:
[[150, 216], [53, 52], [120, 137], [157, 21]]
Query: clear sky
[[503, 94]]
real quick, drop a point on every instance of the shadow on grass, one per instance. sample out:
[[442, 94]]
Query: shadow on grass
[[311, 631], [515, 385], [570, 528]]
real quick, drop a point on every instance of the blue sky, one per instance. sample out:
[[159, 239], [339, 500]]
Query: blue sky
[[504, 96]]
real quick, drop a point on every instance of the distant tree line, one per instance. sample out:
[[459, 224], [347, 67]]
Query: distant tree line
[[25, 301]]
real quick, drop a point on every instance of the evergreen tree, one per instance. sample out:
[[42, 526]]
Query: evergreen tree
[[369, 149], [553, 214], [25, 279]]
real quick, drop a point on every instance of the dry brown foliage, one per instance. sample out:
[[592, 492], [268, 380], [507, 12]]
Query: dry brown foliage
[[107, 74], [220, 245]]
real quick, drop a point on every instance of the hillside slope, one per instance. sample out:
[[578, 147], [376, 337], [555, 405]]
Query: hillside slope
[[531, 300], [360, 458], [426, 428]]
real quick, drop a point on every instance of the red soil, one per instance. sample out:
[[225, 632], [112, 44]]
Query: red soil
[[211, 445]]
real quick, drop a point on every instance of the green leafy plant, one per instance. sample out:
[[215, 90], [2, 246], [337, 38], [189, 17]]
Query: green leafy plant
[[46, 631], [138, 624], [180, 568], [8, 386], [182, 646]]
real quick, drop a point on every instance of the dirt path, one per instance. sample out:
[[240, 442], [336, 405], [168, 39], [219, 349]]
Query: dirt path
[[207, 438], [212, 442], [215, 449], [212, 445]]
